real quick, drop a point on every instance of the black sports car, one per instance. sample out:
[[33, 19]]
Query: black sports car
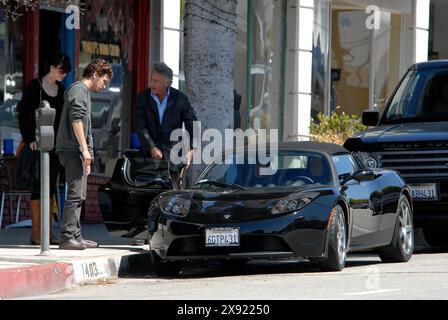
[[320, 204], [124, 200]]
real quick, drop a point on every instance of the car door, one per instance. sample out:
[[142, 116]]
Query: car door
[[365, 198]]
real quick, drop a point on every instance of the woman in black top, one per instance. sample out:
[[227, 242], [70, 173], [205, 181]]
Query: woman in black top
[[48, 88]]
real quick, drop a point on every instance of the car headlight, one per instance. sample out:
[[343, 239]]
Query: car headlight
[[371, 163], [368, 159], [178, 205], [293, 204]]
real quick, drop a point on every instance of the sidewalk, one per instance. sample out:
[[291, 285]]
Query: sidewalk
[[23, 272]]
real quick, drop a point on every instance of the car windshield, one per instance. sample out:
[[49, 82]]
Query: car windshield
[[422, 96], [295, 169]]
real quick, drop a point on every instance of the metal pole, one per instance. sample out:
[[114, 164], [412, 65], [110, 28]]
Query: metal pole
[[45, 203]]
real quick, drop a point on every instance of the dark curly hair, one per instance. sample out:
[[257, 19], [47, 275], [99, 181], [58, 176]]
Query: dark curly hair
[[100, 66]]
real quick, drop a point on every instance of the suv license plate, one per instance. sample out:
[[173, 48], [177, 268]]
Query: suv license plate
[[427, 191], [222, 237]]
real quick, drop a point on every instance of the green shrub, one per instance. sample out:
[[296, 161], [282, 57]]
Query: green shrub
[[335, 128]]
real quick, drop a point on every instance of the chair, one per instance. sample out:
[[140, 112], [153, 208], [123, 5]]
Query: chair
[[9, 165]]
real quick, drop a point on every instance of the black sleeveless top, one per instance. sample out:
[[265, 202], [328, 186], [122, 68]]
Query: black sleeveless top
[[31, 101]]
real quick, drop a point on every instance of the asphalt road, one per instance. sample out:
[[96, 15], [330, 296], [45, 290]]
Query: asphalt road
[[365, 277]]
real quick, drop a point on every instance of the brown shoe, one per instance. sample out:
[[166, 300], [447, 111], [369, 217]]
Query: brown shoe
[[72, 245], [88, 243]]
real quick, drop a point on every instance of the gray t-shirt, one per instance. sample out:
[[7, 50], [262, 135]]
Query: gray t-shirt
[[77, 107]]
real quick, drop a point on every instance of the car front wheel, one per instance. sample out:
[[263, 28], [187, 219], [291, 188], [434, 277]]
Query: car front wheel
[[402, 246], [337, 242]]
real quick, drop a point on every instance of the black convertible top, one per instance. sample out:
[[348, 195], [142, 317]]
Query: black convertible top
[[330, 148], [323, 147]]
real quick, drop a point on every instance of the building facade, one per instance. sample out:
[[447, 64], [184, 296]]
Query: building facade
[[293, 58], [296, 58]]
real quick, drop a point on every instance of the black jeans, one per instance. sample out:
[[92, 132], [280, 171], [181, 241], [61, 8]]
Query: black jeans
[[76, 195]]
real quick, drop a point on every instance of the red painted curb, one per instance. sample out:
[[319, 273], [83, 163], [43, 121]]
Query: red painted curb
[[35, 280]]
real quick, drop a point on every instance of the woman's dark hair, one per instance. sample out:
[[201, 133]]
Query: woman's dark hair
[[100, 66], [58, 60]]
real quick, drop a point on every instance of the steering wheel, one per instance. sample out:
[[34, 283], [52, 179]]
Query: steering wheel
[[305, 179]]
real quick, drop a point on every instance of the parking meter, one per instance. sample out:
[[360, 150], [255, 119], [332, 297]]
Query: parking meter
[[45, 116]]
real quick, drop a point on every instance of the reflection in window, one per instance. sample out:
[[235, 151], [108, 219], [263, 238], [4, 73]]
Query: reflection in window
[[321, 46], [11, 51], [266, 72], [107, 32], [350, 56]]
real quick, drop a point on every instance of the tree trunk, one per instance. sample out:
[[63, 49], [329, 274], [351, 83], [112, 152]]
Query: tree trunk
[[209, 55], [210, 36]]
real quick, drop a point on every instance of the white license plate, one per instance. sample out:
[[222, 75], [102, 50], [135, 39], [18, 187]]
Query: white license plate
[[427, 191], [222, 237]]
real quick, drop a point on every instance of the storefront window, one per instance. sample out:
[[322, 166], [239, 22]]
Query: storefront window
[[386, 64], [321, 68], [266, 66], [437, 44], [107, 32], [11, 76], [11, 64], [366, 62], [350, 61], [240, 69]]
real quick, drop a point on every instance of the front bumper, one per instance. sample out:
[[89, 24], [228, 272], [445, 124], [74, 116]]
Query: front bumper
[[290, 235], [431, 212]]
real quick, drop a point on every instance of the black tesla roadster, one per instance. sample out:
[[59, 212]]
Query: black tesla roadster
[[319, 204]]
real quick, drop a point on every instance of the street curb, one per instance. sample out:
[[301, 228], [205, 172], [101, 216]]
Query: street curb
[[35, 280], [55, 277]]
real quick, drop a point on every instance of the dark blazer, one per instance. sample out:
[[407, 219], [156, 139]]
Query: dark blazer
[[147, 124]]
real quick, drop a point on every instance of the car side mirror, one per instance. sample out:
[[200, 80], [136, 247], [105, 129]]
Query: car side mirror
[[370, 118], [360, 176], [364, 175]]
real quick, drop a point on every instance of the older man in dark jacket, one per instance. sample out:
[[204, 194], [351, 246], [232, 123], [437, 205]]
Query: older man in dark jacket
[[161, 109]]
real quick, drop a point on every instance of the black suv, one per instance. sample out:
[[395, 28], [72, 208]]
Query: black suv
[[411, 136]]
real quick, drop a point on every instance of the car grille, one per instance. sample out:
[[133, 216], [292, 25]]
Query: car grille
[[416, 163]]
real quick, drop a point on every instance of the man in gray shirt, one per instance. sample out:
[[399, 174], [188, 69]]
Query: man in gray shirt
[[74, 146]]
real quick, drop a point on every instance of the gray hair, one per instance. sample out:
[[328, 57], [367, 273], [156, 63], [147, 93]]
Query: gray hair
[[163, 69]]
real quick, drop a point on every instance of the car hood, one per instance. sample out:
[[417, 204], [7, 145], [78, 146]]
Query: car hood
[[226, 205], [408, 132]]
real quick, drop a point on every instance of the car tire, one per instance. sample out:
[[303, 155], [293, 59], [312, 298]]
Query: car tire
[[337, 242], [435, 237], [163, 268], [402, 245]]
